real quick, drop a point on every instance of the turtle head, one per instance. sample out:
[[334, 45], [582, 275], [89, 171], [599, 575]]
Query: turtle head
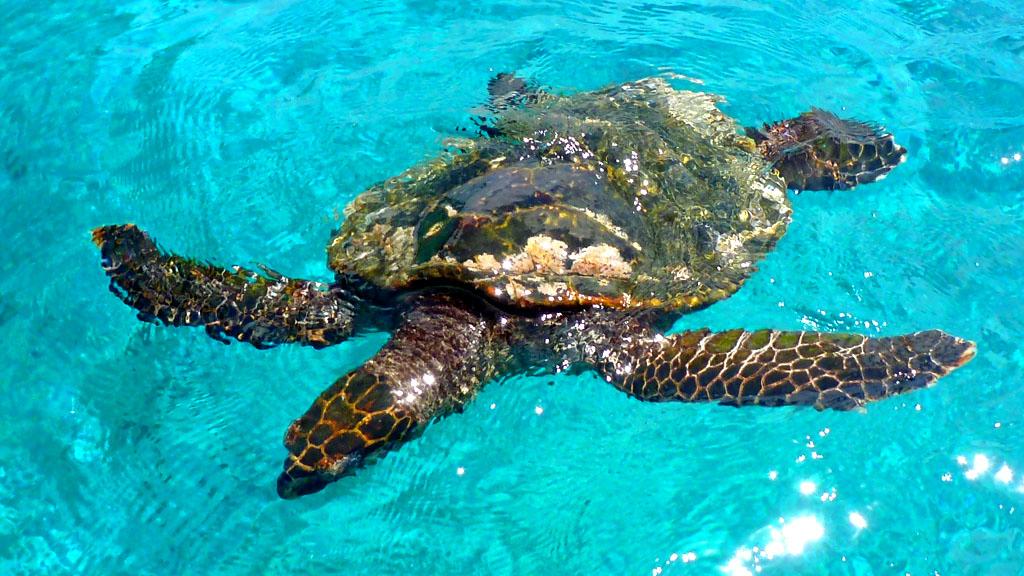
[[357, 417]]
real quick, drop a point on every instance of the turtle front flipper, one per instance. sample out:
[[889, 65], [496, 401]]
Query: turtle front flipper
[[820, 151], [239, 303], [434, 364], [774, 368]]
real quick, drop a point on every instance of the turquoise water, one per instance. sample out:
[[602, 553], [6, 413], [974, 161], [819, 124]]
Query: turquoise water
[[238, 130]]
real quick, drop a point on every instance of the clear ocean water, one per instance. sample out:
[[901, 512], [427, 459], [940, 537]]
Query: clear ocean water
[[236, 131]]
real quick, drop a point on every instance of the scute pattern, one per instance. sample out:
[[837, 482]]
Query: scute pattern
[[661, 200]]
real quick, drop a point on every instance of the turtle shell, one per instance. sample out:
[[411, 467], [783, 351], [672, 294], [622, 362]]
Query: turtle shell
[[638, 195]]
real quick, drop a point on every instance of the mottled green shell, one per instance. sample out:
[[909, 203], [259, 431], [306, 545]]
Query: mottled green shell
[[637, 195]]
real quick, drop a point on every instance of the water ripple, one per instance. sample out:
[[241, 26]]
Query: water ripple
[[238, 131]]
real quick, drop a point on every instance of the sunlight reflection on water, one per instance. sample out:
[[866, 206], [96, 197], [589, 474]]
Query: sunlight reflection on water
[[789, 538]]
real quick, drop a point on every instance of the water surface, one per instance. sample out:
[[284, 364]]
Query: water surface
[[237, 131]]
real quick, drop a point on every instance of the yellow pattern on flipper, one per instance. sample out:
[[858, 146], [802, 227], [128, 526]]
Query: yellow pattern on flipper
[[444, 351]]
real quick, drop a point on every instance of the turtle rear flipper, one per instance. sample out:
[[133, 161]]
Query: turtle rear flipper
[[238, 303], [506, 90], [820, 151], [774, 368]]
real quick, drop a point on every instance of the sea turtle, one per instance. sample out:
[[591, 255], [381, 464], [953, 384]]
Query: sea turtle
[[566, 235]]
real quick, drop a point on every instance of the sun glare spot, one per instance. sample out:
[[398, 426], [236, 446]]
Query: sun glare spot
[[981, 463], [1005, 474], [858, 521], [791, 539]]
